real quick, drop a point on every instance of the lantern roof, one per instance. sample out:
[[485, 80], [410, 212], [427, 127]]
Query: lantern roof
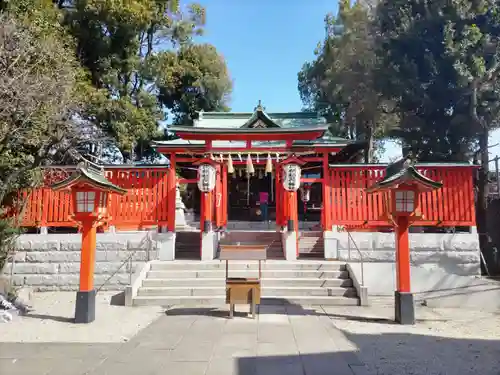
[[206, 160], [293, 160], [87, 174], [403, 172]]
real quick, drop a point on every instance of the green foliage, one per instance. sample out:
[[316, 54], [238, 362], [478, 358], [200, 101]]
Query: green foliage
[[8, 233], [40, 92], [432, 51], [142, 63], [194, 78], [340, 82]]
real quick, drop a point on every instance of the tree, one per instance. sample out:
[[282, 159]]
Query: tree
[[194, 78], [143, 64], [40, 92], [340, 82], [441, 63]]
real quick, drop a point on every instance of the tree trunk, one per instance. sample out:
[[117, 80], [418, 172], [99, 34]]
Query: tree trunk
[[369, 140], [482, 202]]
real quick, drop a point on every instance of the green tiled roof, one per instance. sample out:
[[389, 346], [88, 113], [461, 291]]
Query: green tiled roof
[[240, 144], [246, 119], [84, 174], [256, 122], [403, 171]]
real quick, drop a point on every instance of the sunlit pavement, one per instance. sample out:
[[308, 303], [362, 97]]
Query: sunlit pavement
[[282, 340]]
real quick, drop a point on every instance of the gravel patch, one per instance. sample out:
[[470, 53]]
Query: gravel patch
[[51, 321]]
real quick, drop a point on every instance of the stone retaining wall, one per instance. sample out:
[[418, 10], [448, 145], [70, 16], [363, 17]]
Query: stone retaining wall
[[52, 261], [455, 253]]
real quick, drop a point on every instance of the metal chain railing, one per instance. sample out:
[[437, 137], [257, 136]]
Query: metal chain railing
[[147, 239], [349, 239]]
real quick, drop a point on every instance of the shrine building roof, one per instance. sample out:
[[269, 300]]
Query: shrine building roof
[[233, 129]]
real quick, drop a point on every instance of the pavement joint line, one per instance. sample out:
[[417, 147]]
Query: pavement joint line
[[331, 327], [296, 343]]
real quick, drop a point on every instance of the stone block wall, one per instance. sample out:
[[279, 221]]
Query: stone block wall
[[456, 254], [52, 261]]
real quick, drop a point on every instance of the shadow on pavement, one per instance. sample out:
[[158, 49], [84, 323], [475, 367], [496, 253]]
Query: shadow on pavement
[[62, 319], [384, 354], [118, 299], [419, 354], [281, 308], [334, 363], [292, 310], [346, 353]]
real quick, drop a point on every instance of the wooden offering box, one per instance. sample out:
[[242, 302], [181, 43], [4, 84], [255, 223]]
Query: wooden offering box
[[243, 290]]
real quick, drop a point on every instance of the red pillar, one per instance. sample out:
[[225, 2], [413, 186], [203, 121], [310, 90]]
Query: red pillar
[[171, 190], [404, 305], [218, 197], [293, 214], [403, 255], [292, 207], [326, 217], [277, 196], [85, 297], [224, 196], [87, 257], [206, 211], [285, 198]]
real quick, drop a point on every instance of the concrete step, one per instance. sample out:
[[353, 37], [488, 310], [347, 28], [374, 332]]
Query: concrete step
[[170, 274], [219, 300], [242, 265], [213, 300], [180, 282], [220, 282], [202, 291]]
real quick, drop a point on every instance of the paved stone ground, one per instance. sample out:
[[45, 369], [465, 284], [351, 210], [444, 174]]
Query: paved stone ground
[[291, 340]]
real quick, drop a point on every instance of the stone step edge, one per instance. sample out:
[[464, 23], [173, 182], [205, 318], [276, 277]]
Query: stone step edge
[[267, 270], [263, 287], [265, 298], [187, 279], [270, 261]]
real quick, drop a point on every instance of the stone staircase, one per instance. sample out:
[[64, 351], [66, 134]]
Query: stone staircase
[[203, 283], [187, 245], [311, 245], [273, 238]]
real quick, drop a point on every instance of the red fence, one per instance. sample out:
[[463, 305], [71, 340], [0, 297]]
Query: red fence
[[451, 205], [144, 205]]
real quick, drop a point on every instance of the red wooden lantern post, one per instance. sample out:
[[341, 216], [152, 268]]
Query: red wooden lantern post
[[90, 192], [404, 184]]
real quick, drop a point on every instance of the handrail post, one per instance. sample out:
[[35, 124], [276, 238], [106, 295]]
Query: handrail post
[[349, 238]]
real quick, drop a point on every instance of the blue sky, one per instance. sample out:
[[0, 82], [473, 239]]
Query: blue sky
[[265, 44]]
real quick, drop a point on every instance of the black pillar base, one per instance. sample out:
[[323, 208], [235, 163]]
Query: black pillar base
[[85, 307], [207, 226], [405, 308]]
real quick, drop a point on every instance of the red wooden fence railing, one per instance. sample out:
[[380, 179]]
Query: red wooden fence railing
[[451, 205], [144, 205]]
